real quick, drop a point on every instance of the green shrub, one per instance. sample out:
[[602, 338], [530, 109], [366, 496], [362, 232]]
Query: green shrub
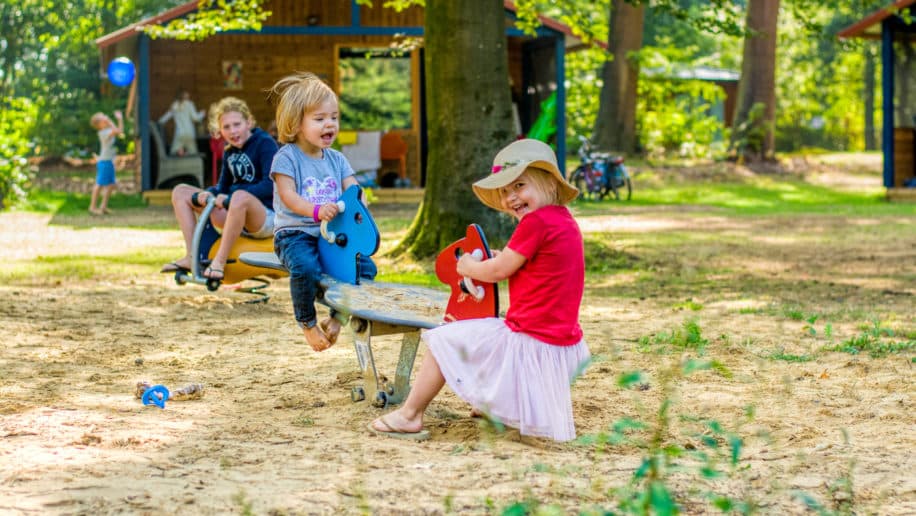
[[16, 120]]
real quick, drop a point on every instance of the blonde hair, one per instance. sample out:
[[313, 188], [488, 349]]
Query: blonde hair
[[227, 105], [96, 118], [542, 181], [297, 95]]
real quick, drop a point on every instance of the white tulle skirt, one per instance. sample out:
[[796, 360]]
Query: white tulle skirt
[[512, 377]]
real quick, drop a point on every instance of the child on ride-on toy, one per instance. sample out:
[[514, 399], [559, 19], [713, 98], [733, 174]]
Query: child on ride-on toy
[[309, 177], [243, 182]]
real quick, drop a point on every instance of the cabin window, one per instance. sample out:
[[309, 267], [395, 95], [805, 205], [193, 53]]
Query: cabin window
[[374, 89]]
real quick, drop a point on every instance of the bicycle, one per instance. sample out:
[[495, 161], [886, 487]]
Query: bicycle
[[600, 174]]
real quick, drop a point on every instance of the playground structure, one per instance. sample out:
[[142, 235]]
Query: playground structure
[[378, 308], [204, 245]]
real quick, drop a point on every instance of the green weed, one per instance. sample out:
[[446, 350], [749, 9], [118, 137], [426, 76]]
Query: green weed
[[602, 258], [688, 336], [788, 357], [689, 304], [246, 507], [303, 420], [876, 341], [713, 453], [68, 203]]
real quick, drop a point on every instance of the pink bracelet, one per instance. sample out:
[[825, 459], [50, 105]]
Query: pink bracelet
[[315, 213]]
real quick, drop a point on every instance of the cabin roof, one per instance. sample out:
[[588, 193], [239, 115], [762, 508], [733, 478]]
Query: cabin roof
[[870, 26], [111, 38]]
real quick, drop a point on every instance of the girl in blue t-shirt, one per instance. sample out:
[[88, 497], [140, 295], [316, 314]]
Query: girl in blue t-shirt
[[308, 177]]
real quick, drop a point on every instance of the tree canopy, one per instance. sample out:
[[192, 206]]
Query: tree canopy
[[49, 66]]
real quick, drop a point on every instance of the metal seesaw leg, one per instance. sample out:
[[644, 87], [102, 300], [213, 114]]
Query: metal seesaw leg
[[409, 344], [362, 333], [385, 392]]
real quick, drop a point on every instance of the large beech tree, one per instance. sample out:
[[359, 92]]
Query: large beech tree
[[615, 126], [755, 113], [469, 118]]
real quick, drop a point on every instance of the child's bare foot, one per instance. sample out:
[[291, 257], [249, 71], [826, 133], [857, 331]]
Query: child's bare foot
[[331, 328], [94, 211], [316, 338]]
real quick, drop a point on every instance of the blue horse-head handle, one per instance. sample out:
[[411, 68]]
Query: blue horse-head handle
[[351, 234]]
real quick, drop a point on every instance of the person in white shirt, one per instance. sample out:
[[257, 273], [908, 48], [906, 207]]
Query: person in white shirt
[[185, 115]]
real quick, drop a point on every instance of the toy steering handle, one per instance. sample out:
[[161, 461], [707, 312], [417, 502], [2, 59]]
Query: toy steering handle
[[330, 236], [468, 285]]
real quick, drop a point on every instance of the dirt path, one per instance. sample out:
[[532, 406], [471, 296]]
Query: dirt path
[[276, 432]]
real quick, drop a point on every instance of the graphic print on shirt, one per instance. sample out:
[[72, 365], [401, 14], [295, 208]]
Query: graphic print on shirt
[[318, 191], [241, 167]]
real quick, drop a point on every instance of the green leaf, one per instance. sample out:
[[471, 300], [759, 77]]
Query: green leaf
[[710, 472], [722, 503], [695, 364], [642, 469], [736, 444], [516, 509], [627, 380], [661, 501]]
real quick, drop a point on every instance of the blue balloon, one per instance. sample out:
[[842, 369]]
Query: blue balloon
[[121, 71]]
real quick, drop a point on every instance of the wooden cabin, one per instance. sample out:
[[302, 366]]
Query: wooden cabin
[[892, 25], [315, 35]]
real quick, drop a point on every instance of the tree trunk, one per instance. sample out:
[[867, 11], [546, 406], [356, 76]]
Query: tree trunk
[[615, 127], [469, 118], [869, 94], [753, 137]]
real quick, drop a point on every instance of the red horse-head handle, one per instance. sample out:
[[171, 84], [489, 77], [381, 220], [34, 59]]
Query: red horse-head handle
[[468, 300]]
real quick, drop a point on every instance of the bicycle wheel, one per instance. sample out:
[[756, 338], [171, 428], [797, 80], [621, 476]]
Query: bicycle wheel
[[626, 181], [577, 178], [620, 181]]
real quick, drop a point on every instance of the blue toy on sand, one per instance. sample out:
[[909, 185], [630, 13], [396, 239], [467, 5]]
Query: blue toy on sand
[[155, 395]]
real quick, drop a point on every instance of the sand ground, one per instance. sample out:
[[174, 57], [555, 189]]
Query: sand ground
[[277, 433]]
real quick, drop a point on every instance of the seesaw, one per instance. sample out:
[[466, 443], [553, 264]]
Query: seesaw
[[204, 244], [377, 308]]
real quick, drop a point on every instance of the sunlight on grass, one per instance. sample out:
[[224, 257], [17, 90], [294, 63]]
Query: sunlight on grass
[[64, 203], [48, 269], [764, 195], [412, 278]]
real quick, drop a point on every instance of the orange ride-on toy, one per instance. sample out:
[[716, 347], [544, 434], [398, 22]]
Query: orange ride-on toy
[[204, 244]]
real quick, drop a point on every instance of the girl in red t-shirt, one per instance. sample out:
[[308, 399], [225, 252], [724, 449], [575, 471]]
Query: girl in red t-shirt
[[515, 370]]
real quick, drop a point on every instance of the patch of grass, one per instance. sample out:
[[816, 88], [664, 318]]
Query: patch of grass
[[788, 357], [65, 203], [303, 420], [796, 313], [688, 336], [423, 279], [602, 258], [876, 341], [688, 304], [83, 267], [771, 196]]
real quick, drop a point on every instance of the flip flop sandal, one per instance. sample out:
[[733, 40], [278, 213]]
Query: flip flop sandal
[[394, 433], [173, 267], [214, 274]]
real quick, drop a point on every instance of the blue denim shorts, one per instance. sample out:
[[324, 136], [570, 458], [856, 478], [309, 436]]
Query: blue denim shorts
[[104, 173]]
